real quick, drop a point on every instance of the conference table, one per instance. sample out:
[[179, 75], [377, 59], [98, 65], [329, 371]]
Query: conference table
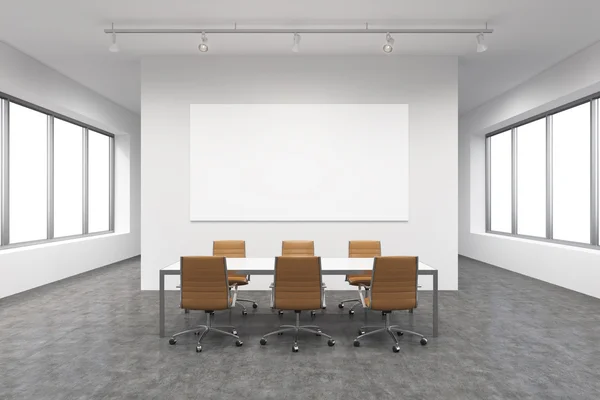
[[266, 266]]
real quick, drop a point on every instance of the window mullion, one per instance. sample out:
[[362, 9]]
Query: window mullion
[[488, 184], [549, 179], [50, 178], [111, 189], [85, 180], [514, 177], [594, 174], [4, 172]]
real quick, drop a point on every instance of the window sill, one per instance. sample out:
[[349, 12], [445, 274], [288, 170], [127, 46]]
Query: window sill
[[541, 242], [16, 248]]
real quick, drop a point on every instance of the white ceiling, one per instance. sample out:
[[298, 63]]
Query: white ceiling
[[530, 35]]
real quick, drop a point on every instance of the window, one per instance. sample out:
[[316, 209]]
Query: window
[[99, 181], [501, 192], [571, 174], [545, 183], [57, 176], [531, 179], [28, 172], [68, 179]]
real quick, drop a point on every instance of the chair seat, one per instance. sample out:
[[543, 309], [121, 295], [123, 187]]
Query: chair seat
[[356, 280], [237, 280]]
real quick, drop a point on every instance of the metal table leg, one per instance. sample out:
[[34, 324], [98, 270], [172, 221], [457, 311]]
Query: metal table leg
[[161, 292], [435, 303]]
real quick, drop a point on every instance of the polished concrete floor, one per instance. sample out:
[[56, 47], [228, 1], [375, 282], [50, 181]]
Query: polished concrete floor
[[502, 336]]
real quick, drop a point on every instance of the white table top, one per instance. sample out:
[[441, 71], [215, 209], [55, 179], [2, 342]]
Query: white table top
[[329, 266]]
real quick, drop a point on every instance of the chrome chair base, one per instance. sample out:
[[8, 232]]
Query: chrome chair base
[[296, 329], [202, 330], [390, 329], [355, 301], [238, 302], [351, 310]]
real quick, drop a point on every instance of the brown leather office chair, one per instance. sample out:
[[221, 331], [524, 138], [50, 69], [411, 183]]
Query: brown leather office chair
[[298, 248], [360, 249], [204, 286], [234, 249], [393, 287], [298, 287]]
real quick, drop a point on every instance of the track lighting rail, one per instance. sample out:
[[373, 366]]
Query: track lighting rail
[[301, 31]]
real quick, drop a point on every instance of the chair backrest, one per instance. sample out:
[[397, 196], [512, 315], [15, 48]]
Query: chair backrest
[[298, 248], [204, 283], [394, 283], [297, 284], [364, 248], [229, 248]]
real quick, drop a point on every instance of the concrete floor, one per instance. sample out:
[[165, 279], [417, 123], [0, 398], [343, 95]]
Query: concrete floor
[[502, 336]]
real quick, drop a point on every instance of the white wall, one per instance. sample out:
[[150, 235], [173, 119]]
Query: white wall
[[428, 85], [571, 267], [27, 267]]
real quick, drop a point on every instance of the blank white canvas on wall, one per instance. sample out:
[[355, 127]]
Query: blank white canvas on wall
[[299, 162]]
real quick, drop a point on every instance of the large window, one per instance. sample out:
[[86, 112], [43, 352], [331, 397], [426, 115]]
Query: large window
[[542, 177], [56, 176], [501, 170], [68, 179], [531, 178], [571, 174], [99, 181], [28, 172]]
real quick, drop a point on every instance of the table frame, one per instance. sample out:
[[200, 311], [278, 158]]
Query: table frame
[[165, 272]]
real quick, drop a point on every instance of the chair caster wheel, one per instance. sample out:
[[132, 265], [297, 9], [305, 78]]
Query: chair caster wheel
[[172, 341], [244, 312], [423, 341], [318, 333], [295, 348], [396, 349], [383, 313], [280, 312], [263, 341], [361, 332], [400, 333], [351, 312], [212, 313], [330, 342], [238, 343], [341, 305], [279, 333], [234, 332], [198, 349], [254, 305], [313, 313], [356, 343]]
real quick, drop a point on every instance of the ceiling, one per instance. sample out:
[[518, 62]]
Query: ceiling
[[529, 37]]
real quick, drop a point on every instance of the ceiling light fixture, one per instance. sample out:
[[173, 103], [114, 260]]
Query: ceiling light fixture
[[296, 46], [388, 47], [203, 47], [481, 46], [114, 47]]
